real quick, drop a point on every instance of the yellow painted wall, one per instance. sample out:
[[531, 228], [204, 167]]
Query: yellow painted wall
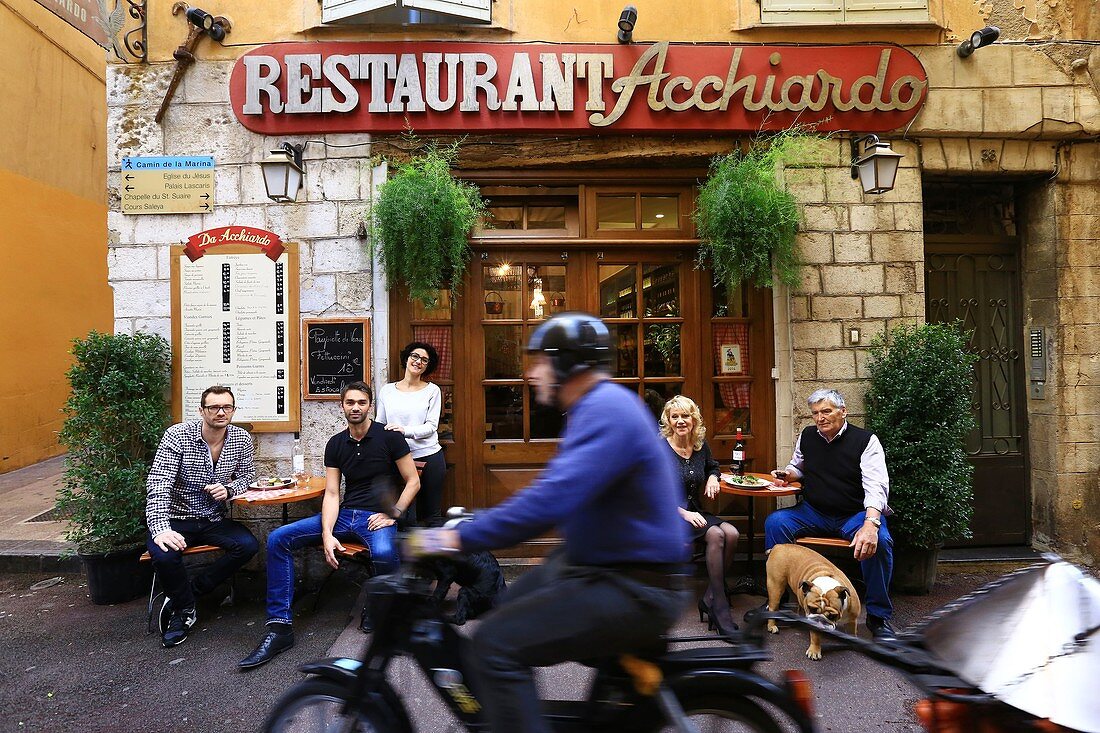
[[546, 20], [53, 220]]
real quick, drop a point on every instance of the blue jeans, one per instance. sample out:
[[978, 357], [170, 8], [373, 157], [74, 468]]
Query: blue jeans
[[786, 525], [351, 526], [233, 537]]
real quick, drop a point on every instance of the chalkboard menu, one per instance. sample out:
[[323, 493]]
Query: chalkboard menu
[[235, 323], [335, 353]]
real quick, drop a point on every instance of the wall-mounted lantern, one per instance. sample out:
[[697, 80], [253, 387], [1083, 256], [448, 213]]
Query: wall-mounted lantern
[[283, 173], [874, 163]]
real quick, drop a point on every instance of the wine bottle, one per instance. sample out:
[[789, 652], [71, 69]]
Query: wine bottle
[[298, 460], [738, 464]]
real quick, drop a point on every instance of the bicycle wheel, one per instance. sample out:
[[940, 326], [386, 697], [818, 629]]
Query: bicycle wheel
[[314, 706], [718, 714]]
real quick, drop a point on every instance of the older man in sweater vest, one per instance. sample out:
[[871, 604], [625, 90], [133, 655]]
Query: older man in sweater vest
[[844, 490]]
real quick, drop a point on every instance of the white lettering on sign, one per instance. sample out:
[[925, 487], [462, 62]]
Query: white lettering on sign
[[74, 9]]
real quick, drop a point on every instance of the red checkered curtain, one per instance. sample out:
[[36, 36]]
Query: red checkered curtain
[[734, 394], [440, 338]]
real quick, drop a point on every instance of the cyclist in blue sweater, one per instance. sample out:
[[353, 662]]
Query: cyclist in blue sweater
[[611, 491]]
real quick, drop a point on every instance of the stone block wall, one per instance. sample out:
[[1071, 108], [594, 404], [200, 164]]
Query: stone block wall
[[1004, 91], [863, 269], [336, 273], [1062, 294]]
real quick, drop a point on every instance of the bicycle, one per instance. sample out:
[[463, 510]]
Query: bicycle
[[706, 689]]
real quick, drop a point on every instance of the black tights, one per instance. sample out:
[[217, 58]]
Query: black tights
[[721, 542]]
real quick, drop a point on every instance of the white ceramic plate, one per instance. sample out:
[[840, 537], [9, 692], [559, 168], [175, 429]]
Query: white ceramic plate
[[265, 484], [740, 483]]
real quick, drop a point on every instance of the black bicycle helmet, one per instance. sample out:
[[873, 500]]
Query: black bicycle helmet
[[574, 342]]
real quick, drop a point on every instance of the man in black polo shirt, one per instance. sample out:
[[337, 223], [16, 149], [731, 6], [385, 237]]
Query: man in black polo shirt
[[365, 455], [844, 490]]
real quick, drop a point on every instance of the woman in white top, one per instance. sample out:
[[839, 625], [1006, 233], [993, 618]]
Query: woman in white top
[[411, 407]]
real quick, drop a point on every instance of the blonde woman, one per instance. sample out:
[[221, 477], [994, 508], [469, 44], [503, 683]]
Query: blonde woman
[[683, 429]]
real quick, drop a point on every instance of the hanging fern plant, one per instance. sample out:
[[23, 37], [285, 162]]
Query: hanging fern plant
[[746, 220], [422, 219]]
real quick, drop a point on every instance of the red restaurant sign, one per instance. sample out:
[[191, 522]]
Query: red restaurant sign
[[268, 242], [293, 88]]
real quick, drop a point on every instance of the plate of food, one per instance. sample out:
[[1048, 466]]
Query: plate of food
[[746, 482], [272, 482]]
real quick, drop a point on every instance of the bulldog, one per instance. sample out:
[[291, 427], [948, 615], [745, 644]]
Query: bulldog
[[825, 594]]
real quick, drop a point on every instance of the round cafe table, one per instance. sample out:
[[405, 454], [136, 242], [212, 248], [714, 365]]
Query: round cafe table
[[310, 488], [766, 492]]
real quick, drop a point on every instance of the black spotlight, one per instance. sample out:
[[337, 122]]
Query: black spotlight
[[984, 37], [200, 18], [627, 19], [217, 32]]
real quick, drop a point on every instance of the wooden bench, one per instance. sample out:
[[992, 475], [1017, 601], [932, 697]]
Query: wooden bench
[[351, 550], [845, 559], [194, 550], [822, 542]]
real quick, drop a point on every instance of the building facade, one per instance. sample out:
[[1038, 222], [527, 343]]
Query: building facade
[[590, 153], [54, 207]]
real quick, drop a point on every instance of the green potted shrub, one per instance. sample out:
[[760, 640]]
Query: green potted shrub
[[747, 221], [919, 405], [114, 419], [422, 219]]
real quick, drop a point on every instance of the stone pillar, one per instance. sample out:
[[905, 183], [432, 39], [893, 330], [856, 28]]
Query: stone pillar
[[1062, 294]]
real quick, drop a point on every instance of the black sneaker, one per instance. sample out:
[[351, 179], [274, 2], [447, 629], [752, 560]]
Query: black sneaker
[[881, 629], [366, 625], [179, 624]]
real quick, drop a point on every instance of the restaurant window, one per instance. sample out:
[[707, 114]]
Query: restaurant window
[[530, 212], [731, 357], [620, 212], [827, 12], [432, 323]]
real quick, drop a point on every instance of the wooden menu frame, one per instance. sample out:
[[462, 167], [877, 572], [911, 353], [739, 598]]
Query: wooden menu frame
[[291, 351], [365, 374]]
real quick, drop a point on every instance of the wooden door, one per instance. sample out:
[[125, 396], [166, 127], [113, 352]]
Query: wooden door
[[642, 296]]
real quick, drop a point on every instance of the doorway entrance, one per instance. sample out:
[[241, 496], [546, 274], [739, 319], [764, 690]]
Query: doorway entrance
[[627, 254], [972, 276]]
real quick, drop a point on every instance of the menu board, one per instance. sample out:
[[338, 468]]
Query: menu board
[[235, 323], [335, 353]]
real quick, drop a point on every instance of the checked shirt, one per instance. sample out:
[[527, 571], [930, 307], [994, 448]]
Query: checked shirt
[[176, 487]]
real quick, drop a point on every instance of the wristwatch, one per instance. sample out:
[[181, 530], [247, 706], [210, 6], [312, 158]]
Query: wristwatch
[[874, 520]]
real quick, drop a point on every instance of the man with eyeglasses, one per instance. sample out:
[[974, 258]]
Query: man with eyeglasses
[[200, 465]]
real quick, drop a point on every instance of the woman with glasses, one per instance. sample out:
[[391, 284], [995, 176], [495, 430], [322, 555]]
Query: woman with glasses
[[412, 406]]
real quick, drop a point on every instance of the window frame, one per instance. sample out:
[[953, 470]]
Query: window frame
[[846, 13]]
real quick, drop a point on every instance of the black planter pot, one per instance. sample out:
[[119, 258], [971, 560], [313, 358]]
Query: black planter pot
[[117, 577], [915, 570]]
